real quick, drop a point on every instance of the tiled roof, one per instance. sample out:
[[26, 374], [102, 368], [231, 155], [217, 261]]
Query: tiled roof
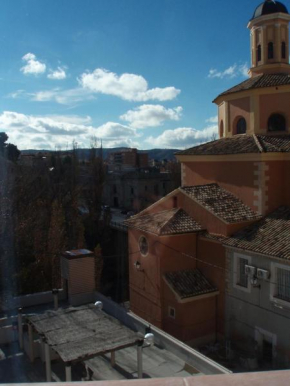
[[168, 222], [269, 236], [260, 81], [214, 237], [189, 283], [221, 203], [241, 144]]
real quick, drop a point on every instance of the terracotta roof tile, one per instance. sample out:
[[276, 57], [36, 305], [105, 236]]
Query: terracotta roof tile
[[221, 203], [214, 237], [260, 81], [269, 236], [189, 283], [169, 222], [242, 144]]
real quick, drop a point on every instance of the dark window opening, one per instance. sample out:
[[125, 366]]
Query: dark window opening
[[115, 189], [270, 50], [241, 126], [143, 246], [276, 122], [243, 278], [283, 49], [172, 312], [132, 190], [174, 202], [259, 53]]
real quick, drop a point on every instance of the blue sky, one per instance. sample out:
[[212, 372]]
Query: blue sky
[[139, 73]]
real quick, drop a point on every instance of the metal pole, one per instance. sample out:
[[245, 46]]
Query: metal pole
[[20, 328], [140, 360], [55, 298], [31, 342], [68, 372], [113, 358], [47, 362]]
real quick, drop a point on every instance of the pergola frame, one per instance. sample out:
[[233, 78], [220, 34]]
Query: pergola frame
[[79, 334]]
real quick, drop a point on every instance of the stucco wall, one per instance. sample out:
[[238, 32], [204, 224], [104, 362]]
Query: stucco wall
[[236, 177], [144, 283], [239, 108], [192, 321], [213, 267], [274, 103], [251, 313]]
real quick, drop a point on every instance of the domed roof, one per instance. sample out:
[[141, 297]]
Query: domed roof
[[268, 7]]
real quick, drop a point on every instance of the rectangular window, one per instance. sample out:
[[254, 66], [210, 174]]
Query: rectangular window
[[283, 284], [171, 312], [242, 277]]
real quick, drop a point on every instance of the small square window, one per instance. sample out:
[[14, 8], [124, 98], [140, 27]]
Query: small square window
[[171, 312]]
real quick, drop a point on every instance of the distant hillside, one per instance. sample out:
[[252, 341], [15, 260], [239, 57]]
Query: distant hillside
[[158, 154]]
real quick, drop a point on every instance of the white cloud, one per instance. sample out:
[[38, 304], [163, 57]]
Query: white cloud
[[126, 142], [63, 97], [244, 70], [183, 137], [230, 72], [32, 66], [58, 74], [129, 87], [212, 119], [150, 116], [113, 130], [114, 134], [25, 131]]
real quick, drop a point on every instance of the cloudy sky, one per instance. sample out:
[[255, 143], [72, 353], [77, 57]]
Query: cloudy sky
[[139, 73]]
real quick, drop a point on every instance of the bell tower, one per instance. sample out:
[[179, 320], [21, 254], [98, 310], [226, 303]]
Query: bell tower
[[269, 39]]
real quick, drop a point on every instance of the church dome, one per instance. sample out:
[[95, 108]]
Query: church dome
[[268, 7]]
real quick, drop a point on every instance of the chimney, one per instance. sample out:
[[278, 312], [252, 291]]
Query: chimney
[[78, 274]]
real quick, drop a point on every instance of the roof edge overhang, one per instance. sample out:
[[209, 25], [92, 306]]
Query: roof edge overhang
[[191, 298], [242, 157], [268, 17], [228, 96], [254, 253]]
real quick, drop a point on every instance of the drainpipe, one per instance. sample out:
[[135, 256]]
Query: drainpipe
[[20, 328], [55, 298]]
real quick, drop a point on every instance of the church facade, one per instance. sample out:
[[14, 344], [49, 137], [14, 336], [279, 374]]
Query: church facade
[[211, 260]]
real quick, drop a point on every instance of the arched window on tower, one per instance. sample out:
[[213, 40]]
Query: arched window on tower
[[259, 53], [283, 50], [221, 129], [270, 50], [276, 122], [241, 126]]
